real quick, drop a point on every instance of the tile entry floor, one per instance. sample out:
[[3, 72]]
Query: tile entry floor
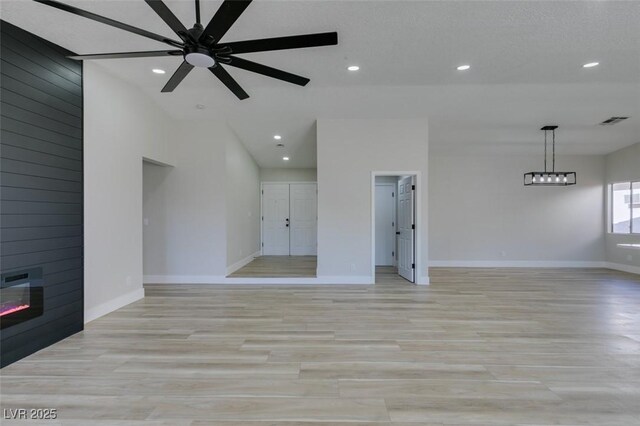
[[477, 346]]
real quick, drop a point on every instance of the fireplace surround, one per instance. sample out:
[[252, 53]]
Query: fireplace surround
[[41, 195]]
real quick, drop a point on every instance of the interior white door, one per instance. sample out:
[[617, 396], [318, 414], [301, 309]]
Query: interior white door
[[304, 216], [385, 224], [275, 219], [406, 247]]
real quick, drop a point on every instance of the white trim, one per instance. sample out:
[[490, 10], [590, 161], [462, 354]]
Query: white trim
[[183, 279], [288, 181], [216, 280], [515, 264], [418, 221], [533, 264], [112, 305], [631, 246], [346, 280], [423, 280], [242, 262], [624, 268]]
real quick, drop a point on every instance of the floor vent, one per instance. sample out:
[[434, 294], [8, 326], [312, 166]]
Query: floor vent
[[613, 120]]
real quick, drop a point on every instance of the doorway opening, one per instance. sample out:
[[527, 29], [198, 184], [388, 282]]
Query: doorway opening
[[394, 218], [289, 229]]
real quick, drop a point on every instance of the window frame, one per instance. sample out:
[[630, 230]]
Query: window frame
[[610, 224]]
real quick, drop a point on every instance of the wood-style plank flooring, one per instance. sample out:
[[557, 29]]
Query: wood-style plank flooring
[[278, 267], [478, 346]]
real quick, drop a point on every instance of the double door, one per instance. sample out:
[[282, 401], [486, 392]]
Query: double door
[[289, 219]]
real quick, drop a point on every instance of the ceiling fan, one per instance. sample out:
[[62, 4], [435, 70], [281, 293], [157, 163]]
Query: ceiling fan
[[201, 47]]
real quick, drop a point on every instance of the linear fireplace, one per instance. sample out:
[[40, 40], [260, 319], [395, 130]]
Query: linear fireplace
[[21, 296]]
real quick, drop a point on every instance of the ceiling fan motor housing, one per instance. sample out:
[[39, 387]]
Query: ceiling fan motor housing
[[199, 57]]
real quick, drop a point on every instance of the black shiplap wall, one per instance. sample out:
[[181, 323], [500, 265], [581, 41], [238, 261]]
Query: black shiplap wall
[[41, 187]]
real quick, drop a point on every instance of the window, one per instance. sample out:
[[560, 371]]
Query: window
[[625, 207]]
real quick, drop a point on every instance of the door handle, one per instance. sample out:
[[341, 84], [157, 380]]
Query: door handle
[[397, 232], [287, 223]]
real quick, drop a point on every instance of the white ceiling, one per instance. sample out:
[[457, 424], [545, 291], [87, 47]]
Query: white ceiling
[[526, 59]]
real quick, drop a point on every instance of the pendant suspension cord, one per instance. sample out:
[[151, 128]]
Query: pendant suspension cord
[[545, 151], [198, 11], [553, 154]]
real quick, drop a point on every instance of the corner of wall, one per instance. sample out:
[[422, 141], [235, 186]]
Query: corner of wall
[[242, 203], [121, 126]]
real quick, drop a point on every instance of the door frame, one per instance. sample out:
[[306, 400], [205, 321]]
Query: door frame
[[417, 218], [270, 182], [394, 215]]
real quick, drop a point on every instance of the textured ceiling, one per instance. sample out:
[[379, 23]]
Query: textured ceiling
[[526, 59]]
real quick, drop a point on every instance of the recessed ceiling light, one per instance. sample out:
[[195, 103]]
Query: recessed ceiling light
[[591, 65], [353, 68], [158, 71], [285, 158], [463, 67], [277, 137]]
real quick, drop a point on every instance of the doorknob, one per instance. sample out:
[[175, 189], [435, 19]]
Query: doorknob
[[397, 232]]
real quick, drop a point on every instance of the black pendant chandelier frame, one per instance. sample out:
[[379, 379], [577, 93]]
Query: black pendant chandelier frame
[[550, 177]]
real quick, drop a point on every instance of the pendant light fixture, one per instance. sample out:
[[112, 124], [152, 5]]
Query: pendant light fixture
[[550, 178]]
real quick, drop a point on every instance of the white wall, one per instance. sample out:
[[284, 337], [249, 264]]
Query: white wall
[[154, 211], [242, 203], [621, 166], [481, 213], [121, 126], [192, 246], [348, 151], [288, 175]]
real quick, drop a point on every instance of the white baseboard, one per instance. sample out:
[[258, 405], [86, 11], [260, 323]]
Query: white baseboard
[[423, 281], [532, 264], [624, 268], [515, 264], [183, 279], [216, 279], [112, 305], [242, 262]]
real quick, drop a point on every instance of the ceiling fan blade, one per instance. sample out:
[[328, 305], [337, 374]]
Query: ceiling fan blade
[[177, 77], [268, 71], [224, 18], [148, 54], [228, 81], [169, 18], [109, 21], [280, 43]]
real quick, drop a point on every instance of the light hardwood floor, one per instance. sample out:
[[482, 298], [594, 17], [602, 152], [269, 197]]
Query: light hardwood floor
[[279, 267], [478, 346]]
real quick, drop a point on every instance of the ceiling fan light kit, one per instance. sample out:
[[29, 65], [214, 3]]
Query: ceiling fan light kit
[[201, 47], [550, 178]]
